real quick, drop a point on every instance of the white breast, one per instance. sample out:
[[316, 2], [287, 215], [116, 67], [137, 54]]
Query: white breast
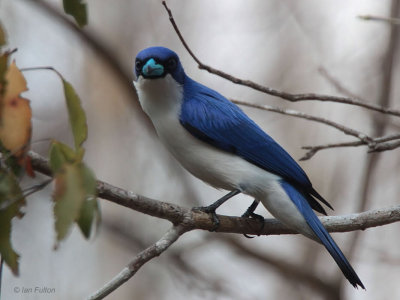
[[161, 99]]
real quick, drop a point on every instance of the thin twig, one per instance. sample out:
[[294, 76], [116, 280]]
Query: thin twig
[[37, 187], [377, 118], [25, 193], [378, 144], [42, 68], [386, 146], [274, 92], [338, 85], [105, 52], [284, 267], [387, 81], [391, 21], [143, 257], [347, 130], [186, 274]]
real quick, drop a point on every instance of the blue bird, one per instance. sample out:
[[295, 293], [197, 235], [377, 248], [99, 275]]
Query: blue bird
[[217, 142]]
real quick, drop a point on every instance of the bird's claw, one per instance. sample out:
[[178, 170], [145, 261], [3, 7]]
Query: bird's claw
[[209, 210], [252, 215]]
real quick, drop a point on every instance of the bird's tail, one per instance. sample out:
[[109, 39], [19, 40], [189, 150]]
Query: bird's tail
[[323, 235]]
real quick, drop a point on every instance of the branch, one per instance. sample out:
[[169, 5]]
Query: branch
[[286, 269], [104, 51], [387, 82], [391, 21], [376, 145], [199, 220], [143, 257], [274, 92], [365, 139], [339, 86], [185, 220], [386, 146]]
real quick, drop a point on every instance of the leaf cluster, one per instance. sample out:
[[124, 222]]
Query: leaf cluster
[[74, 196]]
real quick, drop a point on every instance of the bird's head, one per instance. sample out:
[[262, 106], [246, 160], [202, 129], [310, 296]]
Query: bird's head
[[157, 62]]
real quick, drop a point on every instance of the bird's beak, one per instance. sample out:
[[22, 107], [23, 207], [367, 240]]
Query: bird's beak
[[152, 69]]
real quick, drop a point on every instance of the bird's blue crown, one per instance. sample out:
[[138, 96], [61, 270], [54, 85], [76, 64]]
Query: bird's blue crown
[[157, 62]]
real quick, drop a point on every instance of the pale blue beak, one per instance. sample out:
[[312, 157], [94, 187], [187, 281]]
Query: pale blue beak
[[152, 69]]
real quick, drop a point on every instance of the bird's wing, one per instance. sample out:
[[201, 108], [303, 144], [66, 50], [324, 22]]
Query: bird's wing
[[215, 120]]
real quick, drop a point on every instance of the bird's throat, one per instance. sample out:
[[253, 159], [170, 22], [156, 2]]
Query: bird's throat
[[161, 96]]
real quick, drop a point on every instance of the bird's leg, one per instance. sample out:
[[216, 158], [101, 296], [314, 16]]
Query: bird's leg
[[213, 207], [249, 213]]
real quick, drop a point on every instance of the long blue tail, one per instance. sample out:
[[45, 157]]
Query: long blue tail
[[320, 231]]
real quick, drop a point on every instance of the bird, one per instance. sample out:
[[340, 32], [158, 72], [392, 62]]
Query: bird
[[215, 141]]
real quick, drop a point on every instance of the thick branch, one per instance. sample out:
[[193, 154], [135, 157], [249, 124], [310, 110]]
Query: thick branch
[[200, 220], [143, 257], [185, 220], [274, 92]]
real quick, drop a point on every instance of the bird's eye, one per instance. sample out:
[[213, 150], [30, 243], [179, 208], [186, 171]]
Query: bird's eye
[[138, 66], [172, 63]]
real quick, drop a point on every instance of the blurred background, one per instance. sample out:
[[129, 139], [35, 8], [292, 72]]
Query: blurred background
[[295, 46]]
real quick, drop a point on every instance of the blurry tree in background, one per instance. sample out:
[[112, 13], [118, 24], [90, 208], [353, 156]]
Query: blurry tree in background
[[293, 46]]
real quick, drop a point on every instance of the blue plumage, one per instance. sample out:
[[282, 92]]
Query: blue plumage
[[317, 227], [215, 120], [177, 105]]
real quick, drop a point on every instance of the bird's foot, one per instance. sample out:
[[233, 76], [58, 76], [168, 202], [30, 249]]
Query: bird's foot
[[209, 210], [249, 213], [213, 207]]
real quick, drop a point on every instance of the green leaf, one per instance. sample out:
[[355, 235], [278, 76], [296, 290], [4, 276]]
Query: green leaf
[[90, 209], [3, 36], [77, 9], [11, 201], [77, 116], [61, 154], [89, 214], [11, 161], [3, 69], [69, 195]]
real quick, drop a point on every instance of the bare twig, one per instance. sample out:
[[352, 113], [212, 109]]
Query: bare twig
[[339, 86], [392, 21], [143, 257], [105, 52], [378, 144], [386, 84], [377, 118], [386, 146], [274, 92], [287, 269], [347, 130], [183, 272], [25, 193]]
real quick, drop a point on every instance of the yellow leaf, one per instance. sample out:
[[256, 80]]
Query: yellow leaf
[[16, 83], [15, 115], [15, 130]]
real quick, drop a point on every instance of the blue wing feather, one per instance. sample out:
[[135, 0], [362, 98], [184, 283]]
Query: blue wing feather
[[215, 120], [320, 231]]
